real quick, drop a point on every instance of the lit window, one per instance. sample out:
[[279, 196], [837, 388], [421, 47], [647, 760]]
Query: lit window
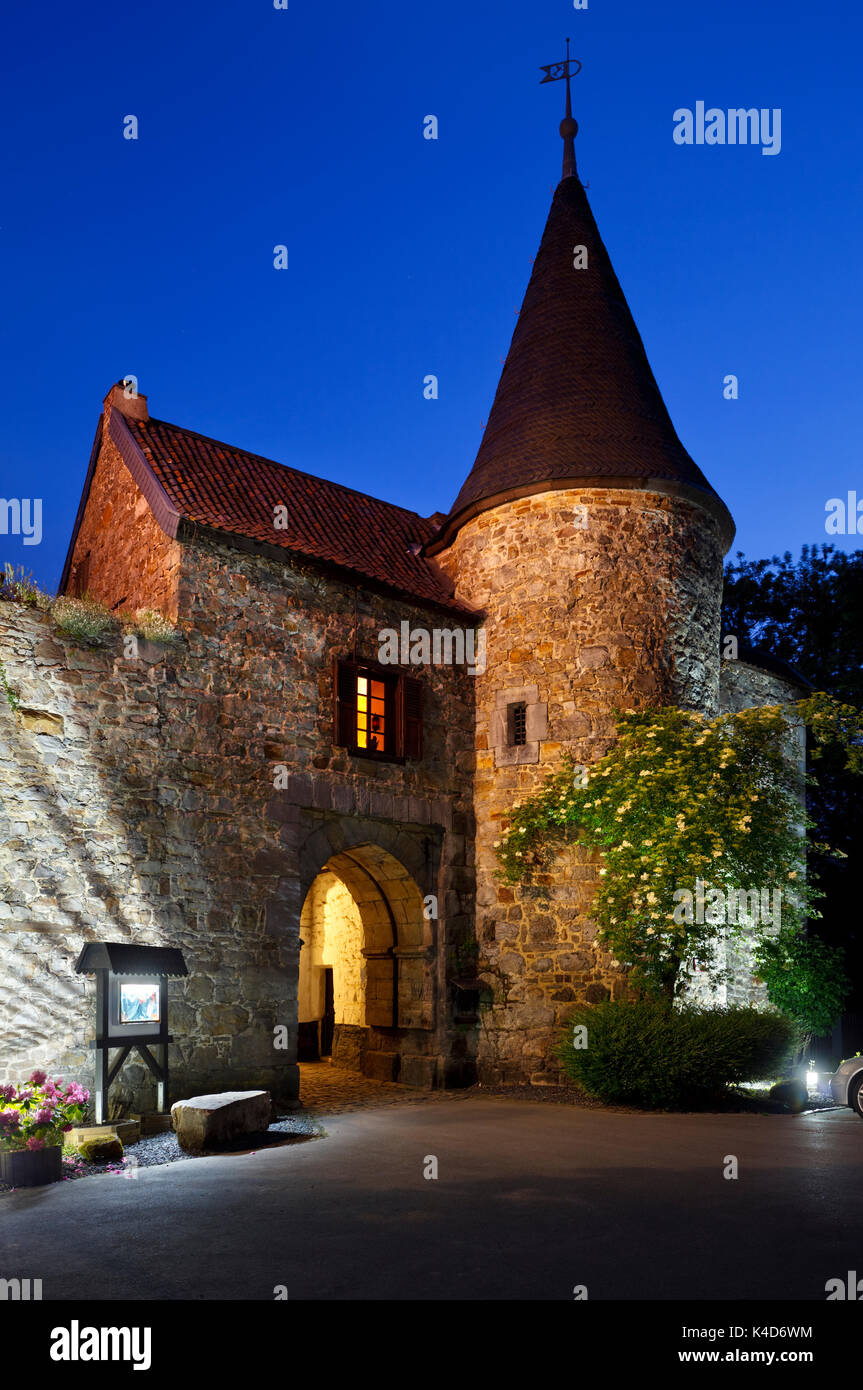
[[362, 711], [377, 713], [378, 717], [372, 717], [372, 698]]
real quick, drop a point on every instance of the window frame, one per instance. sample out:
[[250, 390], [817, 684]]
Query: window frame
[[390, 749], [401, 691]]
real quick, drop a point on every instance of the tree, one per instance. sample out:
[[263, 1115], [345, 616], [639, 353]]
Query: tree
[[810, 612]]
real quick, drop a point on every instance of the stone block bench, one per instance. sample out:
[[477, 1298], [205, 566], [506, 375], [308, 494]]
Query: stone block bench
[[208, 1122]]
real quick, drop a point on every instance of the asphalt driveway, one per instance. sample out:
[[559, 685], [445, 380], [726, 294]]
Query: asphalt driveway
[[530, 1200]]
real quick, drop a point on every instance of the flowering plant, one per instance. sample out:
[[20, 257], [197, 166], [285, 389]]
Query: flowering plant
[[38, 1114], [679, 801]]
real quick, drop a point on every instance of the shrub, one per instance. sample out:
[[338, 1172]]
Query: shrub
[[650, 1052], [805, 978], [82, 617], [153, 625]]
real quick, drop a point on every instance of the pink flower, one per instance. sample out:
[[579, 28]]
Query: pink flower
[[38, 1078], [7, 1091], [10, 1119], [35, 1143], [44, 1115]]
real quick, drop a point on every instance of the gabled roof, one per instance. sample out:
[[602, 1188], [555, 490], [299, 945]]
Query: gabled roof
[[577, 400], [124, 958], [193, 481]]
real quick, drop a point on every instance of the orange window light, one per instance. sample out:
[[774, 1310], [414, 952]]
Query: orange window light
[[362, 711], [371, 713]]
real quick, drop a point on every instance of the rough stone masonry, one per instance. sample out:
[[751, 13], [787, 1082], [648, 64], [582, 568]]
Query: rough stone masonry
[[225, 793]]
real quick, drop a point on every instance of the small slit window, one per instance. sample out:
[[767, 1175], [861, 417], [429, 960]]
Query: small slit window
[[517, 725]]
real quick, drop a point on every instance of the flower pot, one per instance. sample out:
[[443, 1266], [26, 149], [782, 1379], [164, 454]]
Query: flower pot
[[31, 1167]]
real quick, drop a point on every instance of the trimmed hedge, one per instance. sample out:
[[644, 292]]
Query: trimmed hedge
[[648, 1052]]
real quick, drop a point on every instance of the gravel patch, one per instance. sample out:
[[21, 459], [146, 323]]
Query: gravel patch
[[157, 1149]]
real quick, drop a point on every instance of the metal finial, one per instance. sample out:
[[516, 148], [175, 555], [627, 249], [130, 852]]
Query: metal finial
[[555, 72]]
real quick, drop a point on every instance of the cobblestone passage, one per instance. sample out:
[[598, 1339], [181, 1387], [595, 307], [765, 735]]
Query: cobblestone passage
[[329, 1090]]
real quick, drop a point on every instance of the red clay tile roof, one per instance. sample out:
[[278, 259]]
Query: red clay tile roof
[[235, 492], [577, 397]]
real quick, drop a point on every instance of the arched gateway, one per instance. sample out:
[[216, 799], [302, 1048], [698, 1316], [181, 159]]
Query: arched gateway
[[369, 993]]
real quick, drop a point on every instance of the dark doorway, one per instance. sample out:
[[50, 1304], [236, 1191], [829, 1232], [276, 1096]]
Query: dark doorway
[[328, 1022], [308, 1043]]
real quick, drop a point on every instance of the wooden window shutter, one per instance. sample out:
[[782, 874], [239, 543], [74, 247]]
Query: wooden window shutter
[[345, 704], [411, 693]]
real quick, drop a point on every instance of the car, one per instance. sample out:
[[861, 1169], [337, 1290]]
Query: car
[[846, 1084]]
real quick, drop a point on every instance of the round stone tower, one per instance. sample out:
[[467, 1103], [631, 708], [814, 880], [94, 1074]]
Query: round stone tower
[[593, 544]]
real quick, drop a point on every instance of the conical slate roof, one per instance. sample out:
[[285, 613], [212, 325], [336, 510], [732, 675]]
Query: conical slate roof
[[577, 399]]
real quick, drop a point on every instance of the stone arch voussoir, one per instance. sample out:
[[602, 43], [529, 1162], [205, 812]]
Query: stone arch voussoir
[[419, 854]]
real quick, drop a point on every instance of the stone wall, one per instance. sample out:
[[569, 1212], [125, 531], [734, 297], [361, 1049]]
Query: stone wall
[[595, 598], [744, 686], [731, 977], [121, 556], [138, 803]]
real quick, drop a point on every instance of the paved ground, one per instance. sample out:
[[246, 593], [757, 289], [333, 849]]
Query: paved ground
[[329, 1090], [531, 1199]]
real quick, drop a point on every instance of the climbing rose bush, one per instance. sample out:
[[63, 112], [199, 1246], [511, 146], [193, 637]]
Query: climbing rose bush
[[37, 1114], [679, 800]]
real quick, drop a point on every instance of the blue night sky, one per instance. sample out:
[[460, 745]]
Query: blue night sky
[[406, 257]]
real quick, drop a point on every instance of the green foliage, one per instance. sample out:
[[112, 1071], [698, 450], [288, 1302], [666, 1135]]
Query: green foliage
[[38, 1113], [13, 699], [833, 723], [84, 618], [659, 1055], [16, 583], [805, 978], [806, 610], [463, 958], [677, 799], [153, 625]]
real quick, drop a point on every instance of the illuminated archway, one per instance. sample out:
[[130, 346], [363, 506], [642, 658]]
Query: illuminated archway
[[366, 972]]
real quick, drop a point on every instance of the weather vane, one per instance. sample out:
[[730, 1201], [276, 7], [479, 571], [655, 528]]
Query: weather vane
[[556, 72]]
